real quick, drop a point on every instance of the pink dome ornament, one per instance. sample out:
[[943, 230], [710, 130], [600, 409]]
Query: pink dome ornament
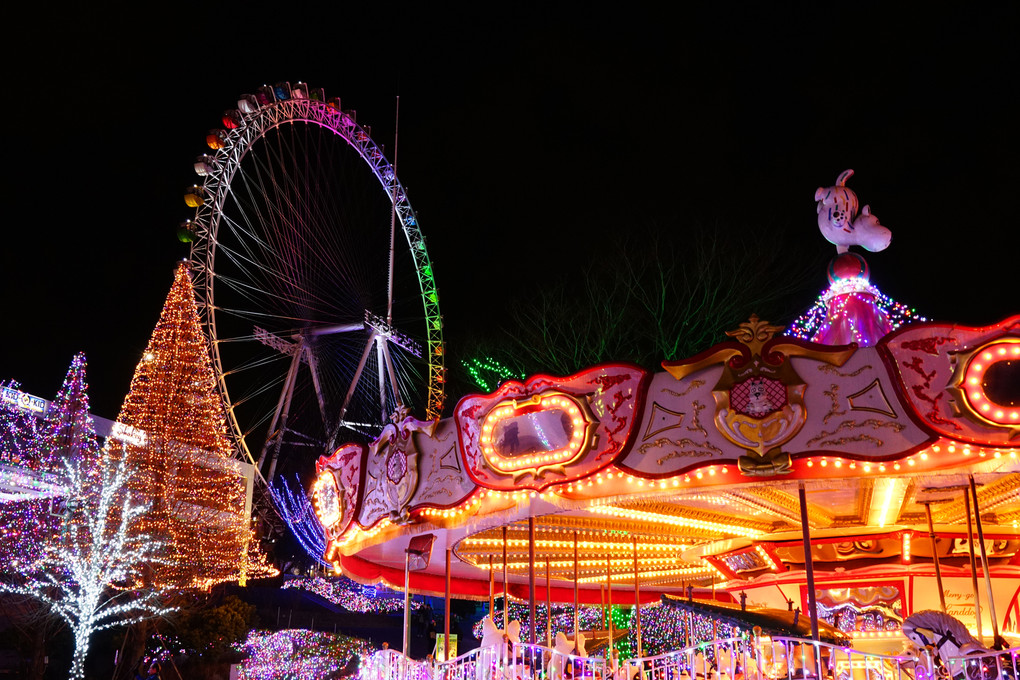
[[853, 312]]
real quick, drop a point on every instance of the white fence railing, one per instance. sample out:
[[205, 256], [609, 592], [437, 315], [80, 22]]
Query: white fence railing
[[775, 658], [1002, 665]]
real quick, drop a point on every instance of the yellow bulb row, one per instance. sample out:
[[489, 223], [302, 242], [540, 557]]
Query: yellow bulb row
[[765, 557], [675, 520], [625, 576], [582, 545], [496, 566]]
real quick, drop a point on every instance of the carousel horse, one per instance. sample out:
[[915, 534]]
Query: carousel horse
[[499, 641], [563, 647], [949, 638], [946, 637]]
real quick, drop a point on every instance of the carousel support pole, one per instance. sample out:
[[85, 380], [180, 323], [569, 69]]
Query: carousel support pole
[[577, 612], [531, 578], [548, 606], [715, 639], [984, 562], [973, 569], [602, 592], [637, 601], [407, 604], [609, 608], [506, 592], [808, 562], [492, 591], [935, 557], [446, 613]]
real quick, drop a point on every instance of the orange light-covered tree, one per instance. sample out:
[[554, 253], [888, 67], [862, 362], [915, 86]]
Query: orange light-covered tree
[[173, 432]]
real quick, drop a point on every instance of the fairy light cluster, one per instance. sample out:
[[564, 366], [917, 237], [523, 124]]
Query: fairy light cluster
[[304, 654], [186, 469], [590, 617], [34, 453], [351, 595], [665, 629], [842, 299], [298, 513], [488, 373], [93, 549]]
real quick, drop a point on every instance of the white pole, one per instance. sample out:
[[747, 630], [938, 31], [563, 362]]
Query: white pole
[[407, 603]]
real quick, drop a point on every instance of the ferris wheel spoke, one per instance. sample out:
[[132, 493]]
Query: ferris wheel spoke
[[256, 294]]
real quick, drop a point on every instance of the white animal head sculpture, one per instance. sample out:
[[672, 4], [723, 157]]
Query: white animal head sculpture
[[562, 644], [943, 632], [492, 636], [840, 223]]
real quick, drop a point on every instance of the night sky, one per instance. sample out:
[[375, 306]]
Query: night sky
[[528, 137]]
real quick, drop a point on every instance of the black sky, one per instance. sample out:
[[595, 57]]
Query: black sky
[[526, 133]]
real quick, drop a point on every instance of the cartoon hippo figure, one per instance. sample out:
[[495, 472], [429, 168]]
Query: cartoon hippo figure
[[840, 223]]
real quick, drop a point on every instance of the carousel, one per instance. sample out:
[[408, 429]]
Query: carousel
[[839, 499]]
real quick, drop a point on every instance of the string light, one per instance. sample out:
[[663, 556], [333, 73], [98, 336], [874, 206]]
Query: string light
[[297, 512], [488, 373], [187, 468], [304, 654], [852, 306], [94, 547], [32, 452], [353, 596]]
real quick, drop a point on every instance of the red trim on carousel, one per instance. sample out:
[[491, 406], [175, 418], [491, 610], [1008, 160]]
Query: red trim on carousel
[[367, 573], [1007, 326], [555, 382]]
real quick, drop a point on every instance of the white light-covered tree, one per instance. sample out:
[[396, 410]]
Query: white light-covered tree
[[89, 574]]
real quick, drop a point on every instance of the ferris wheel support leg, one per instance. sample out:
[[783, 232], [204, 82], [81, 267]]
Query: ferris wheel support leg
[[380, 359], [313, 367], [355, 379], [288, 386], [393, 373], [289, 393]]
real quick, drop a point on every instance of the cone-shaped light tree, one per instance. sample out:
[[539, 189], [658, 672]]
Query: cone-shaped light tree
[[37, 450], [88, 566], [173, 429]]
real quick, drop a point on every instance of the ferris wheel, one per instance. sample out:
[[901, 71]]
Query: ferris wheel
[[323, 321]]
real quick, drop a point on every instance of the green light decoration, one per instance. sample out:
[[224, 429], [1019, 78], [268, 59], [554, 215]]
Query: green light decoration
[[488, 373], [621, 621]]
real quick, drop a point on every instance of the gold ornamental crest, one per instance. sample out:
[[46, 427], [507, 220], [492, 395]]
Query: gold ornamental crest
[[759, 398]]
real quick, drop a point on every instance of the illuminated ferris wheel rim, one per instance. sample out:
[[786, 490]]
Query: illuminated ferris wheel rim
[[219, 171]]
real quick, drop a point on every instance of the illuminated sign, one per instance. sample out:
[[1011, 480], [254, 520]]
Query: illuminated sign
[[128, 434], [23, 401]]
